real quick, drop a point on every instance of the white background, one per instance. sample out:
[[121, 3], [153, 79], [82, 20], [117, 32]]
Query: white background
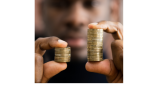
[[141, 20]]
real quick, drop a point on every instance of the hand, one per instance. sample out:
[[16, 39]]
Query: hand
[[112, 69], [43, 72]]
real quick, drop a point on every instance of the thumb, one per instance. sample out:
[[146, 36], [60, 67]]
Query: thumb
[[52, 68], [105, 67]]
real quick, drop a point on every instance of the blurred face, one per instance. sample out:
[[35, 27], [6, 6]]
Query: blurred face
[[69, 19]]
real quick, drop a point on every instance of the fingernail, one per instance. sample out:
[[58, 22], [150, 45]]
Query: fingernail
[[94, 23], [61, 41]]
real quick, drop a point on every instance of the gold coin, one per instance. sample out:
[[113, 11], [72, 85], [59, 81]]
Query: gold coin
[[63, 55], [94, 38], [63, 60], [62, 49], [95, 53], [99, 41], [66, 48], [95, 56], [95, 59], [89, 49], [91, 34], [62, 52], [95, 29], [95, 33], [94, 46], [89, 39], [94, 43], [100, 56]]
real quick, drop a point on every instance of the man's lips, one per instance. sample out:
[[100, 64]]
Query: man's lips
[[76, 42]]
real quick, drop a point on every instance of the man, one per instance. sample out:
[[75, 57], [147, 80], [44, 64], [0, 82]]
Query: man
[[66, 23]]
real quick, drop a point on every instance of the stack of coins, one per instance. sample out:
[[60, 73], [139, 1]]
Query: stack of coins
[[95, 45], [62, 54]]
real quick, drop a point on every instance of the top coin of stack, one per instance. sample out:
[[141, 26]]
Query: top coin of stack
[[95, 45], [62, 54]]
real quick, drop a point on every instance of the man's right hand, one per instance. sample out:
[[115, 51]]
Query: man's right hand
[[43, 72]]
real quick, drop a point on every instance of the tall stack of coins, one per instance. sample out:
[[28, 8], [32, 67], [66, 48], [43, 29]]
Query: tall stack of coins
[[62, 54], [95, 45]]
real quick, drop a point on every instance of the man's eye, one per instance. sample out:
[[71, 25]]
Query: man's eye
[[59, 5], [91, 4]]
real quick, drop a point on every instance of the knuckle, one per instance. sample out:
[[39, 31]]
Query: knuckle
[[39, 39], [119, 25], [53, 38], [102, 22], [114, 43], [117, 43], [37, 42], [38, 58]]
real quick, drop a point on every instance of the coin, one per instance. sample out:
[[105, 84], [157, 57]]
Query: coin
[[95, 59], [63, 55], [95, 35], [97, 30], [63, 60], [95, 39], [101, 41], [97, 56], [94, 49], [95, 45], [91, 47], [65, 50], [95, 53]]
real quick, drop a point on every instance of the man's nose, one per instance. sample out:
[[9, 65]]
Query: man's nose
[[77, 16]]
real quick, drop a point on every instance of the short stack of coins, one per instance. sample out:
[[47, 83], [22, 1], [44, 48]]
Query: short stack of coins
[[62, 54], [95, 45]]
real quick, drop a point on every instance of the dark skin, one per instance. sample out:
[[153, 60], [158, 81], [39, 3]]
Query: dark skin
[[113, 69]]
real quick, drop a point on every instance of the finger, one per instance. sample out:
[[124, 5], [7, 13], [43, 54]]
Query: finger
[[43, 44], [38, 68], [105, 67], [52, 68], [117, 52], [115, 28]]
